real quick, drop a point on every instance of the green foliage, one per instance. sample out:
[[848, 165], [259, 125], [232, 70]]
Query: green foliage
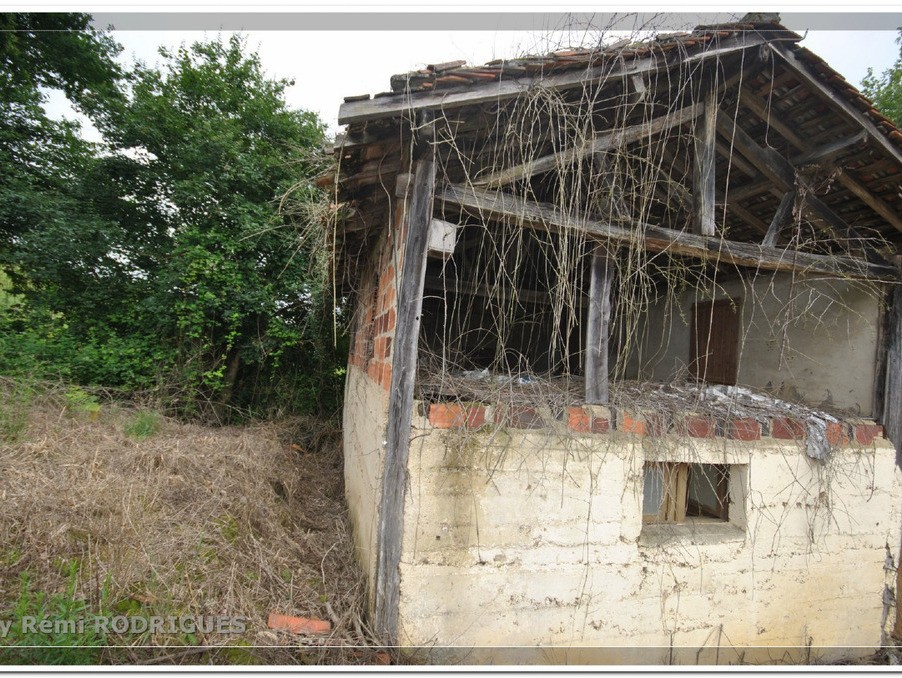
[[142, 425], [886, 90], [219, 147], [80, 402], [160, 261], [74, 637], [8, 300]]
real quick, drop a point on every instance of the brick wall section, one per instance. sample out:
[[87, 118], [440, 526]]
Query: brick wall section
[[371, 348], [601, 420]]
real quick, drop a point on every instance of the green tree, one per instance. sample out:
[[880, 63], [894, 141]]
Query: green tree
[[886, 90], [205, 148], [44, 164], [160, 257], [38, 156]]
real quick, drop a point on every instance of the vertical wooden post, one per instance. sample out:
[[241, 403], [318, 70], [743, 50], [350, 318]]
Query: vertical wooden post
[[892, 388], [598, 329], [703, 167], [892, 405], [404, 364]]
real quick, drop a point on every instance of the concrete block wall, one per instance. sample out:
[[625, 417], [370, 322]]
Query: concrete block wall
[[528, 532]]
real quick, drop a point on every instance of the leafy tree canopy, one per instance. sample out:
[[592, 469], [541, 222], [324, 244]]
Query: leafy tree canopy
[[886, 90], [160, 257]]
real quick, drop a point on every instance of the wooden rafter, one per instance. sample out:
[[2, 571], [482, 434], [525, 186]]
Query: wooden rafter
[[858, 119], [499, 205], [759, 108], [831, 151], [780, 171], [598, 144]]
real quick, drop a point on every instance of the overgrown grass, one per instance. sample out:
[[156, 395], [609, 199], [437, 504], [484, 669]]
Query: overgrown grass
[[142, 425], [15, 403], [170, 518]]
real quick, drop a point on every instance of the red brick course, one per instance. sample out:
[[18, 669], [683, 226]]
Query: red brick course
[[696, 426], [836, 433], [519, 417], [865, 433], [744, 429], [786, 428], [456, 415], [630, 423], [584, 420], [581, 421]]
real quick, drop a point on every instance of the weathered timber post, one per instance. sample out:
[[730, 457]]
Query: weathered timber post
[[892, 388], [598, 329], [892, 403], [703, 166], [414, 236]]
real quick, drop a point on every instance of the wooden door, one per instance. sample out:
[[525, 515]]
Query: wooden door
[[714, 347]]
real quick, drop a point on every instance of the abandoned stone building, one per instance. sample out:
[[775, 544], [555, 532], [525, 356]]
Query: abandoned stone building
[[626, 359]]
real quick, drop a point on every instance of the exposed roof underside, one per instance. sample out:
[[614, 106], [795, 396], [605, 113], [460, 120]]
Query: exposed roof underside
[[791, 133]]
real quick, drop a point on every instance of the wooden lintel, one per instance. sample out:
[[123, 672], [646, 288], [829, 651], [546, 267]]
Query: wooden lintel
[[493, 204], [779, 221], [599, 144], [598, 329], [352, 112], [404, 362], [703, 165]]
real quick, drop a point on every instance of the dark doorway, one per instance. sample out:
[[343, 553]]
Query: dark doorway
[[714, 348]]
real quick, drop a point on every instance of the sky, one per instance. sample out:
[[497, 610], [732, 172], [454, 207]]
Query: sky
[[328, 65]]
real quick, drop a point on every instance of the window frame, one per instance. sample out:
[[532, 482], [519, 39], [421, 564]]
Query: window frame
[[676, 499]]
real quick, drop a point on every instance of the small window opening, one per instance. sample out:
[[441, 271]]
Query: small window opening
[[674, 491]]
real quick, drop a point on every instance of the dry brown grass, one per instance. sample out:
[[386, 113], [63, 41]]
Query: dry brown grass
[[192, 520]]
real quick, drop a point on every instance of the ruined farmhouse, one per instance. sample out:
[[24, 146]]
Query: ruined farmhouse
[[625, 375]]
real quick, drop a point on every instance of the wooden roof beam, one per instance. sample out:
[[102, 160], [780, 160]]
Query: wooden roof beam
[[831, 151], [352, 112], [852, 114], [493, 204], [599, 144], [782, 214], [759, 108], [780, 171]]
